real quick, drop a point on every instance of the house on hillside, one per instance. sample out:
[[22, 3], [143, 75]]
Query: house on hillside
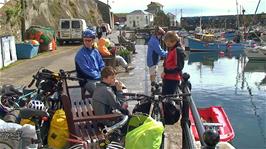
[[154, 7], [106, 13], [139, 19], [172, 19]]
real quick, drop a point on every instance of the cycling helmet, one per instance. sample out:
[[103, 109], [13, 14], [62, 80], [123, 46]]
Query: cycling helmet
[[36, 104], [89, 34]]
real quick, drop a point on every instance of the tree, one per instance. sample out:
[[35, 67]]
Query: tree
[[161, 19]]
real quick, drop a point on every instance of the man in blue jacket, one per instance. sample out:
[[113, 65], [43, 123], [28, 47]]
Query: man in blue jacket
[[89, 62], [154, 52]]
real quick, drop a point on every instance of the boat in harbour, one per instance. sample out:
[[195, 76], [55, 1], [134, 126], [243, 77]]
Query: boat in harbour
[[214, 117], [207, 43], [256, 53]]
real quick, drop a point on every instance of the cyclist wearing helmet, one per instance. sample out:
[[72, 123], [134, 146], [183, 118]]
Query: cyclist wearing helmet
[[89, 62], [154, 51]]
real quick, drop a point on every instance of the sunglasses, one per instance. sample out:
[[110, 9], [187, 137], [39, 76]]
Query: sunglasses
[[88, 40]]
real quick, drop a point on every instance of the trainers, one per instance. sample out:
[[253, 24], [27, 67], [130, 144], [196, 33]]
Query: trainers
[[129, 68]]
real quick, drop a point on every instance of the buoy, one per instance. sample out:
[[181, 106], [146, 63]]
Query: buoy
[[221, 54]]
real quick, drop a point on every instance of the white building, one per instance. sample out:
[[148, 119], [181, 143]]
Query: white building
[[2, 2], [139, 19], [172, 18]]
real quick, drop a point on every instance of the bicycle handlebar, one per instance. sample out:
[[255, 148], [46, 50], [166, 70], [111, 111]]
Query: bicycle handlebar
[[136, 95], [51, 75], [111, 129]]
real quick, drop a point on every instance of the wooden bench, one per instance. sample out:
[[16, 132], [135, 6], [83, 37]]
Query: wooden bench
[[110, 60], [130, 46], [82, 123]]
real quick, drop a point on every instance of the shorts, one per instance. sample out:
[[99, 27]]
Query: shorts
[[153, 70]]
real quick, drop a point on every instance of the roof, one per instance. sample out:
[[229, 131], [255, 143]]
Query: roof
[[156, 4], [102, 3], [170, 14], [121, 14], [136, 12]]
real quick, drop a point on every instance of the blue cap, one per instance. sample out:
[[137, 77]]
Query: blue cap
[[89, 34]]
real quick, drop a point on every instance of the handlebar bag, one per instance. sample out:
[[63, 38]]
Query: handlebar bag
[[146, 136], [142, 107]]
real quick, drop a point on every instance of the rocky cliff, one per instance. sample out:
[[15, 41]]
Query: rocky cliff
[[45, 13]]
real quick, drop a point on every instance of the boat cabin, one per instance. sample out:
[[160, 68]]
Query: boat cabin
[[205, 37]]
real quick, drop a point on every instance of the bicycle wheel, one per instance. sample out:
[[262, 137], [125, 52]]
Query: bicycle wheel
[[77, 146]]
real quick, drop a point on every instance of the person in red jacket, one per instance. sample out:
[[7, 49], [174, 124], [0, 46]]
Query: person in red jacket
[[173, 64]]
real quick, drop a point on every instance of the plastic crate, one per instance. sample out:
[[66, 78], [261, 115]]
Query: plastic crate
[[25, 50]]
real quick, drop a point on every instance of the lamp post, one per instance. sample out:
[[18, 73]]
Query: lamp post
[[22, 18]]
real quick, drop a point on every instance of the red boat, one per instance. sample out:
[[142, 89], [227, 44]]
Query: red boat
[[214, 117]]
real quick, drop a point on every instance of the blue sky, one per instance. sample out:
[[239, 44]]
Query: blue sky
[[190, 7]]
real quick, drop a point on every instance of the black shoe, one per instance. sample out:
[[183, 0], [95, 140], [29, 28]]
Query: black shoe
[[129, 68]]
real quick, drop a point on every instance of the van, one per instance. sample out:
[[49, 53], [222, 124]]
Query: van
[[71, 30]]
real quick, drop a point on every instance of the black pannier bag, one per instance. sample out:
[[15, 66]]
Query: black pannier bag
[[171, 112]]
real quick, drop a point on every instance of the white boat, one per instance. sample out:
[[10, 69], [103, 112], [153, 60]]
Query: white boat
[[256, 53]]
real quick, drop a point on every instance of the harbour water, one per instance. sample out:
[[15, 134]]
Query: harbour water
[[236, 84]]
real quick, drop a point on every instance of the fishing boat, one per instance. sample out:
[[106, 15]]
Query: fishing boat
[[207, 43], [215, 118], [256, 53]]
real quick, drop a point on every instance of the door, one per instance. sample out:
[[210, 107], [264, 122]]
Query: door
[[65, 29], [76, 29]]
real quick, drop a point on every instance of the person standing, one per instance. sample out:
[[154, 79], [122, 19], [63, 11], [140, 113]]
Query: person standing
[[173, 64], [89, 62], [154, 52]]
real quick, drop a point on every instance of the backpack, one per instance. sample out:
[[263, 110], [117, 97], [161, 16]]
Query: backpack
[[171, 112]]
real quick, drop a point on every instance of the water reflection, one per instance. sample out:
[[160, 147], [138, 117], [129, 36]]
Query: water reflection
[[239, 85]]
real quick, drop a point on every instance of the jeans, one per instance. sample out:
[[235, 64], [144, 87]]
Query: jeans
[[169, 86]]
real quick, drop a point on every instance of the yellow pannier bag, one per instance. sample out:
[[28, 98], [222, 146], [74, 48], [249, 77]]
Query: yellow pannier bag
[[58, 132]]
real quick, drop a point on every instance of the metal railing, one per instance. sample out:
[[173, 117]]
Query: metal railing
[[207, 140]]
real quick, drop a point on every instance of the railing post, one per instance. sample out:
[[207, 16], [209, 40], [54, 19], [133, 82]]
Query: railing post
[[187, 142], [208, 138]]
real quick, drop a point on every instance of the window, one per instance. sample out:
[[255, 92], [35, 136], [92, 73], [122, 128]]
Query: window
[[65, 24], [75, 24]]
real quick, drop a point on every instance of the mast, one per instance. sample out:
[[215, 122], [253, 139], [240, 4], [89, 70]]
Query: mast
[[237, 16]]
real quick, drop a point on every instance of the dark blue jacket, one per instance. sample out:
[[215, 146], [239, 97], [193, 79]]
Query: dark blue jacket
[[154, 51], [89, 63]]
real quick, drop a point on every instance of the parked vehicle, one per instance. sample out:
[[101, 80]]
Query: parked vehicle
[[71, 30]]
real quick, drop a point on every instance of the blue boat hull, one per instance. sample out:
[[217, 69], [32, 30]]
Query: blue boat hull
[[198, 46]]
